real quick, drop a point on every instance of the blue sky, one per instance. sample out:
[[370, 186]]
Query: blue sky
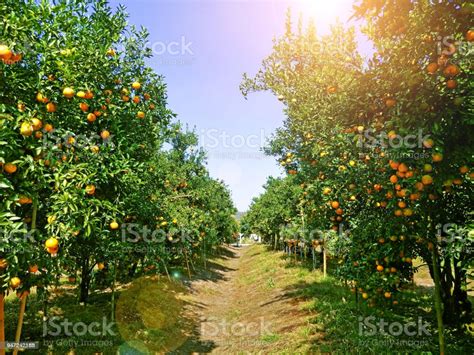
[[203, 47]]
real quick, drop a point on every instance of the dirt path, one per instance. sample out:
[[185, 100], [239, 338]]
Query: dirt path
[[249, 302]]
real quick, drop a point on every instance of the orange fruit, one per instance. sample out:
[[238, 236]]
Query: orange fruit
[[451, 84], [136, 85], [390, 102], [365, 295], [437, 157], [33, 269], [141, 114], [3, 264], [21, 107], [387, 295], [432, 68], [394, 165], [457, 181], [91, 117], [68, 93], [52, 250], [51, 243], [5, 52], [26, 129], [463, 169], [414, 196], [470, 35], [380, 268], [335, 204], [402, 168], [393, 179], [402, 204], [41, 98], [125, 98], [105, 134], [36, 124], [15, 282], [408, 212], [48, 127], [428, 143], [426, 180], [81, 94], [393, 270], [136, 99], [90, 189], [339, 211], [95, 149], [84, 107], [114, 225], [428, 168], [98, 113], [392, 134], [50, 107], [152, 106], [10, 168], [451, 70], [100, 266], [89, 95], [110, 52], [146, 96], [398, 213], [24, 200]]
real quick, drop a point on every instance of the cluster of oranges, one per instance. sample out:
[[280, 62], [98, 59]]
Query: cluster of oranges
[[7, 56]]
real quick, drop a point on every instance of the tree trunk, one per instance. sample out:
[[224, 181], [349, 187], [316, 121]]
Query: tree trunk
[[437, 296], [457, 308], [2, 323], [85, 281]]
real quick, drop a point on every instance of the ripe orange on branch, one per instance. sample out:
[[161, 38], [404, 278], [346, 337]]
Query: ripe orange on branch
[[10, 168], [50, 107], [432, 68], [90, 189], [68, 93], [26, 129], [105, 134], [15, 282], [426, 180], [5, 52], [136, 85]]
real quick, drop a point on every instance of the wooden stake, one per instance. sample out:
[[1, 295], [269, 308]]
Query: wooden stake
[[438, 305], [24, 296], [2, 323], [324, 258], [187, 263]]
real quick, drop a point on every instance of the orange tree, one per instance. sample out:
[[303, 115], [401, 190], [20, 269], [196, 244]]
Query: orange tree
[[84, 126], [275, 212], [384, 145]]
